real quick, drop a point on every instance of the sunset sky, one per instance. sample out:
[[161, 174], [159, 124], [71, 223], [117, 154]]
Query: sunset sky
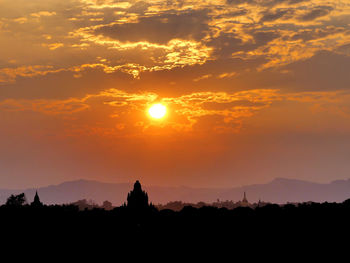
[[253, 89]]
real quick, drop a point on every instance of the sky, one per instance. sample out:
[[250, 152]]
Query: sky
[[254, 90]]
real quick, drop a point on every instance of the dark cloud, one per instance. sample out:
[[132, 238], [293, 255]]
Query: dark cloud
[[269, 16], [160, 28], [268, 3], [344, 49], [310, 34], [235, 13], [227, 43], [263, 37], [238, 2], [63, 85], [139, 7], [316, 13], [209, 123], [324, 71], [230, 105], [293, 2], [271, 3]]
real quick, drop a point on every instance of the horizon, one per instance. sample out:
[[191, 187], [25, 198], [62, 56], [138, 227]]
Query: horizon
[[278, 191], [176, 186], [196, 93]]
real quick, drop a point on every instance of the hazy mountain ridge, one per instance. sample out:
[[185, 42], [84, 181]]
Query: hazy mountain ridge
[[280, 190]]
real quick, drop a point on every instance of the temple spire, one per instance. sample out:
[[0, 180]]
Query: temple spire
[[36, 201], [245, 198], [137, 198], [244, 201]]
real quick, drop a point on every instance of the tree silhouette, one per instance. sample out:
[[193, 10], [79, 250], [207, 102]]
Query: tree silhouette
[[107, 205], [16, 200]]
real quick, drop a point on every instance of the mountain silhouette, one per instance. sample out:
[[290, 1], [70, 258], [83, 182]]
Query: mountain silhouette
[[279, 190]]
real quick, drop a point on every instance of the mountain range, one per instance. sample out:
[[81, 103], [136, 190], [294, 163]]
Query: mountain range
[[279, 190]]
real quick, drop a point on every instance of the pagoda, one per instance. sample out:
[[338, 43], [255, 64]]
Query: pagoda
[[36, 202], [137, 199], [244, 201]]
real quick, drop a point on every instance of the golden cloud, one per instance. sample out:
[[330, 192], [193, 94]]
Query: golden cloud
[[187, 113], [276, 32]]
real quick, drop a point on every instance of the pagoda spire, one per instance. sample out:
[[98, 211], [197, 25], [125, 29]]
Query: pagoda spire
[[245, 198], [36, 201], [244, 201]]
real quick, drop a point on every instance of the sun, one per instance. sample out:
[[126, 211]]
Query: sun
[[157, 111]]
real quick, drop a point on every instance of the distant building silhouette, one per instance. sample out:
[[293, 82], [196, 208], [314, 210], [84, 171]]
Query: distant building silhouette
[[244, 201], [36, 202], [137, 198]]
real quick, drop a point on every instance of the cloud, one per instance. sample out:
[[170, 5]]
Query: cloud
[[167, 46], [268, 16], [241, 79], [316, 12], [138, 37], [42, 14], [202, 77], [53, 107], [198, 112], [267, 3], [10, 74], [231, 105], [189, 25], [185, 111], [324, 71]]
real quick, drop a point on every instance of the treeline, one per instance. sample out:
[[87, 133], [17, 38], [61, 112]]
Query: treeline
[[293, 214], [305, 222], [229, 204]]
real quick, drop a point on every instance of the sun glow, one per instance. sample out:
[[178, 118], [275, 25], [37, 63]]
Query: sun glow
[[157, 111]]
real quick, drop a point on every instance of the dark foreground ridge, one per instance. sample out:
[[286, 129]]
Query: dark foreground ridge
[[304, 223]]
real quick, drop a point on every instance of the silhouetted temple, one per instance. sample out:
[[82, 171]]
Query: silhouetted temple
[[36, 201], [244, 202], [137, 199]]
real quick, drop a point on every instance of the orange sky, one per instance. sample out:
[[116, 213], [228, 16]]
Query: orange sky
[[255, 89]]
